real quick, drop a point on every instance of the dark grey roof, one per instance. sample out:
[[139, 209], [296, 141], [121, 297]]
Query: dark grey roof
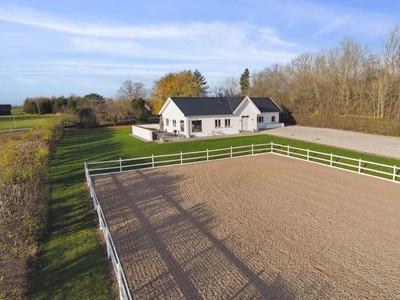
[[219, 106], [5, 106], [266, 105], [207, 105]]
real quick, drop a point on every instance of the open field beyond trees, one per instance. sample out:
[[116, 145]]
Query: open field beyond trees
[[23, 121], [72, 263], [262, 227]]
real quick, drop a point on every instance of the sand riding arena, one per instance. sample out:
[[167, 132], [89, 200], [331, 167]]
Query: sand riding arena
[[259, 227]]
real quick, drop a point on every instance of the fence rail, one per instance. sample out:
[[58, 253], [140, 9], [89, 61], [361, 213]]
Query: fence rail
[[351, 164], [124, 292], [360, 166]]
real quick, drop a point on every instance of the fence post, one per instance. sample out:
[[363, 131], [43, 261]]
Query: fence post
[[152, 160], [181, 158], [288, 150], [120, 164], [272, 147], [331, 159], [252, 149], [231, 152], [394, 173], [308, 154], [359, 165], [120, 281], [207, 154]]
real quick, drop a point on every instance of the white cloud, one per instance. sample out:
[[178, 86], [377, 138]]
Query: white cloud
[[197, 41]]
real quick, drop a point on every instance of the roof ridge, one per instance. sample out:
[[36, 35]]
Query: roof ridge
[[229, 104]]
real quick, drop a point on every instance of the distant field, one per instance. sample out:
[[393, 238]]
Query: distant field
[[19, 121]]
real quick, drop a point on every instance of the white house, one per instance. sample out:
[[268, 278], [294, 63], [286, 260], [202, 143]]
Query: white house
[[197, 117]]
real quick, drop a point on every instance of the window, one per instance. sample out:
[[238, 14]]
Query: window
[[227, 122], [182, 126], [167, 122], [174, 123], [196, 126], [273, 119], [217, 123], [260, 119]]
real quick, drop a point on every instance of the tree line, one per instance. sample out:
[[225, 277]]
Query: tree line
[[347, 80], [93, 109]]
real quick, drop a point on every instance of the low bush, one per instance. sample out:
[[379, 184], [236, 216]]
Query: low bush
[[353, 123], [24, 195]]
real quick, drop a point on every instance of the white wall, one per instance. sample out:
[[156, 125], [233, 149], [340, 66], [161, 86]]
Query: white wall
[[248, 109], [274, 125], [172, 112], [268, 120], [208, 125], [143, 133], [208, 122]]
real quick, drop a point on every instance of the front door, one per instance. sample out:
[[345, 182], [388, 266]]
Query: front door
[[245, 122]]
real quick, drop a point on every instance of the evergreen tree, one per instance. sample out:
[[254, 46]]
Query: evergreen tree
[[245, 82], [201, 82], [139, 109]]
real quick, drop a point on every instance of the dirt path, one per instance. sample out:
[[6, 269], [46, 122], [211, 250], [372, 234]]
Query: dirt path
[[262, 227], [375, 144]]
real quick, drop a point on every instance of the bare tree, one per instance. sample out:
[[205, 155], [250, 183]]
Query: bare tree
[[229, 87], [131, 90]]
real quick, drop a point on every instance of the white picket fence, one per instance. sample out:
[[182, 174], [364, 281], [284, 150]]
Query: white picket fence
[[360, 166]]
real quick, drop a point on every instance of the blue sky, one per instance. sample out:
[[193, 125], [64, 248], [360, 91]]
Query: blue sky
[[79, 47]]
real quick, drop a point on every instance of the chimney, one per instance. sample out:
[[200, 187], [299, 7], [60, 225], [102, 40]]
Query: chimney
[[220, 96]]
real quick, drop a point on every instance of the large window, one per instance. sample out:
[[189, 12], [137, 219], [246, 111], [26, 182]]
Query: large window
[[182, 126], [217, 123], [196, 126], [227, 122], [260, 119], [273, 119], [174, 123]]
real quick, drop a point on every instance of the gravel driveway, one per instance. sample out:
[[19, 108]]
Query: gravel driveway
[[261, 227], [362, 142]]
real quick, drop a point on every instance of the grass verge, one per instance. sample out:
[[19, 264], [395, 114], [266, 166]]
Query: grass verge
[[72, 264]]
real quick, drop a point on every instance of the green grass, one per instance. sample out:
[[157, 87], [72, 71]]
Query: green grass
[[23, 121], [128, 147], [71, 264]]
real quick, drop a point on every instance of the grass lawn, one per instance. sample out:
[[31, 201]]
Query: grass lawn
[[23, 121], [71, 264]]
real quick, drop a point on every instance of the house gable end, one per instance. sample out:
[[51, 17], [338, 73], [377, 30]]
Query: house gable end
[[164, 107], [243, 102]]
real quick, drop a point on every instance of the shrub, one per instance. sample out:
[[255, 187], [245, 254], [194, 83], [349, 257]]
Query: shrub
[[360, 124], [24, 196]]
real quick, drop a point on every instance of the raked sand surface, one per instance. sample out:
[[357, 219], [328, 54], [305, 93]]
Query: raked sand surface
[[261, 227]]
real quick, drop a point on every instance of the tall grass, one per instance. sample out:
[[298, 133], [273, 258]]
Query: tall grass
[[23, 203]]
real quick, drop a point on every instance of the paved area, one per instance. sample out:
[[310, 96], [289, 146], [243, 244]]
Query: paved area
[[369, 143], [261, 227], [375, 144]]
